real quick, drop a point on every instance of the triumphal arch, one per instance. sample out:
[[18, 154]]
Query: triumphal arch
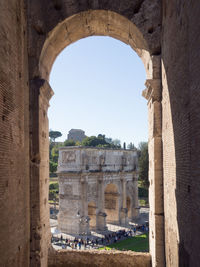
[[96, 186]]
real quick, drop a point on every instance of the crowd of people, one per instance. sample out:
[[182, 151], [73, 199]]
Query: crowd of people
[[96, 242]]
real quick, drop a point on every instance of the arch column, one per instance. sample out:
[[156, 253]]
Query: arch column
[[135, 206], [40, 94], [70, 203], [101, 215], [153, 93], [123, 212], [84, 219]]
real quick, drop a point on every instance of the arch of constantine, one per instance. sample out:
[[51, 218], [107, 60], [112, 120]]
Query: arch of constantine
[[94, 186]]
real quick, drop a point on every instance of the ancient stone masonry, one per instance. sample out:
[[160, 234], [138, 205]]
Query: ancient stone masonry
[[94, 187]]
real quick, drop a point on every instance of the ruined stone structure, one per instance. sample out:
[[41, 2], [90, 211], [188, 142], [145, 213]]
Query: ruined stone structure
[[165, 34], [76, 135], [94, 187]]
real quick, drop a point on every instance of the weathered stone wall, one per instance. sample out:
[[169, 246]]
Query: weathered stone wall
[[14, 136], [99, 258], [181, 131]]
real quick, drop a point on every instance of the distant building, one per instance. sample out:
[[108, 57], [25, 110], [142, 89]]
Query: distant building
[[76, 135]]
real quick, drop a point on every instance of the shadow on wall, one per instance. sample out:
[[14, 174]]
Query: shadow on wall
[[181, 132]]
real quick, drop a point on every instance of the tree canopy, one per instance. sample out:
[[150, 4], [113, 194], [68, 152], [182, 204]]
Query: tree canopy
[[130, 146], [99, 141], [143, 164], [69, 143], [54, 134], [53, 156]]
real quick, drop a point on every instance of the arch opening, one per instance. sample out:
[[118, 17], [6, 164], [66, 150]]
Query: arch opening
[[77, 27], [92, 208], [128, 206], [111, 203]]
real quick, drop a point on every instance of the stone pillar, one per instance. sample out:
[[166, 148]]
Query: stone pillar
[[84, 218], [70, 217], [40, 94], [123, 212], [135, 206], [101, 215], [153, 94]]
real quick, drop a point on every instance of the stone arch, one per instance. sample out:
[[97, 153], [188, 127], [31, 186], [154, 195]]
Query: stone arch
[[47, 39], [111, 203], [90, 23], [92, 214]]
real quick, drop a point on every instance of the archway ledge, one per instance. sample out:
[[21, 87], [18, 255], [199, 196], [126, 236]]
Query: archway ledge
[[92, 23], [46, 92], [152, 90]]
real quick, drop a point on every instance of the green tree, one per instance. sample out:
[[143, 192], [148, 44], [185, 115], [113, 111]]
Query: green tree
[[54, 134], [130, 146], [143, 164], [53, 166], [124, 145], [116, 143], [95, 141], [100, 141], [54, 154], [109, 140], [78, 143], [69, 143]]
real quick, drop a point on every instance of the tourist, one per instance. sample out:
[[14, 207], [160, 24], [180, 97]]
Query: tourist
[[85, 244], [134, 230], [79, 244]]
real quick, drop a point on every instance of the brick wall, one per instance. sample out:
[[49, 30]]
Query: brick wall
[[14, 136], [181, 131], [99, 258]]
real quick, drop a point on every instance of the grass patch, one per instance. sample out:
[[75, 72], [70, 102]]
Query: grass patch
[[139, 243], [53, 182], [51, 202], [143, 202]]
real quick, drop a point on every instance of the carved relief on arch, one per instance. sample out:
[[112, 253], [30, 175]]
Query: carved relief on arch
[[68, 156]]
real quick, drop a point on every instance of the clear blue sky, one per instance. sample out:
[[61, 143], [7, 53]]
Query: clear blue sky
[[98, 82]]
